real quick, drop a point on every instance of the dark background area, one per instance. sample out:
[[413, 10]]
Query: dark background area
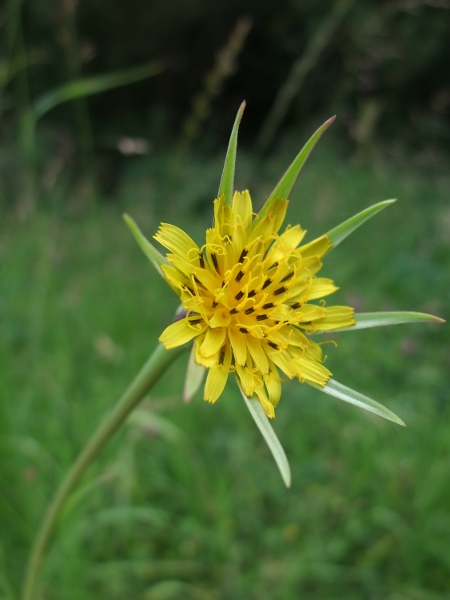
[[383, 67]]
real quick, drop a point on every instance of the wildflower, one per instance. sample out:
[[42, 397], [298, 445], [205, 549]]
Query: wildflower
[[250, 300]]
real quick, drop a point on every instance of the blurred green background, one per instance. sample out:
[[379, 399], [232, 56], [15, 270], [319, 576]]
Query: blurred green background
[[109, 107]]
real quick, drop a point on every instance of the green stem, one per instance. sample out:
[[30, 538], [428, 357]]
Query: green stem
[[149, 374]]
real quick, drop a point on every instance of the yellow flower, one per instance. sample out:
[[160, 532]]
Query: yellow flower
[[248, 296]]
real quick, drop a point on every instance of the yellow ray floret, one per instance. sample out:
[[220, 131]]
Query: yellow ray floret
[[247, 296]]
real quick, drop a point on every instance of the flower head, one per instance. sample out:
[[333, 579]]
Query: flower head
[[251, 299]]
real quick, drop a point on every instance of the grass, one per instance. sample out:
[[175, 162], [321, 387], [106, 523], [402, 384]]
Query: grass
[[185, 501]]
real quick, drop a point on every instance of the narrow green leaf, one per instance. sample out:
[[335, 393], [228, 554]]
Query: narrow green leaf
[[155, 257], [339, 233], [380, 319], [88, 86], [287, 182], [338, 390], [194, 377], [264, 426], [227, 180]]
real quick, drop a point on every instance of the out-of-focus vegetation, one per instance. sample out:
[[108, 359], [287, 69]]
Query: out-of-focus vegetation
[[381, 66], [185, 502]]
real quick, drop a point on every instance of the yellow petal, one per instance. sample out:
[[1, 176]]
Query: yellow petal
[[176, 240], [220, 318], [320, 287], [257, 353], [285, 244], [180, 332], [242, 209], [311, 370], [217, 377], [247, 380], [317, 247], [335, 317], [238, 345], [284, 362], [265, 402], [271, 222], [205, 361], [213, 341], [273, 385]]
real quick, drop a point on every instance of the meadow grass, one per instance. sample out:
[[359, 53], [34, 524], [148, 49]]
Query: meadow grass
[[185, 501]]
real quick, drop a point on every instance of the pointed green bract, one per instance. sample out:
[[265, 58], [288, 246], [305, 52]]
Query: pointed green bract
[[194, 377], [380, 319], [155, 257], [264, 426], [227, 180], [339, 233], [287, 182], [342, 392]]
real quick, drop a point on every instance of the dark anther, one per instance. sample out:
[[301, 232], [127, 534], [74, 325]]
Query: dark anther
[[234, 311], [249, 310], [239, 295], [275, 264], [267, 282], [239, 276], [273, 345], [195, 321], [214, 304], [261, 317], [280, 290], [214, 259], [251, 294], [243, 330], [268, 305], [202, 260], [221, 356], [288, 276], [197, 281], [243, 255], [296, 305]]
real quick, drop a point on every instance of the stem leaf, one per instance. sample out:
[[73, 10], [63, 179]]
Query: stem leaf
[[194, 377], [155, 257], [287, 182], [227, 180], [269, 435], [339, 233], [342, 392], [380, 319]]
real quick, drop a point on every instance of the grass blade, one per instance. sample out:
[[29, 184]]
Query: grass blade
[[88, 86], [227, 180], [339, 233], [269, 435], [287, 182], [155, 257], [342, 392]]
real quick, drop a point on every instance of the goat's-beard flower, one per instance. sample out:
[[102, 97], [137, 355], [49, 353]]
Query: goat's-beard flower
[[251, 299]]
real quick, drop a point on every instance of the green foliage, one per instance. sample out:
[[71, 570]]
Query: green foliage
[[185, 501]]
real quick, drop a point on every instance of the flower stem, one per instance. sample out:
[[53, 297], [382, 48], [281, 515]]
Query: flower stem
[[149, 374]]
